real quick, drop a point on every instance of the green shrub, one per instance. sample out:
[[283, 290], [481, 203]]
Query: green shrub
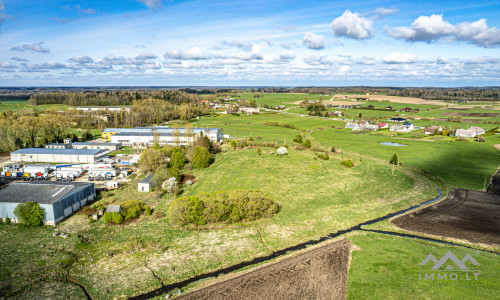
[[307, 143], [334, 150], [30, 213], [228, 207], [347, 163], [323, 156], [106, 217], [116, 218], [147, 211], [177, 159], [91, 220], [201, 158], [259, 151], [298, 139], [7, 220], [233, 144], [394, 160], [132, 209]]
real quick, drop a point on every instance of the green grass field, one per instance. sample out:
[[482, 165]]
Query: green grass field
[[387, 267], [15, 105], [317, 197]]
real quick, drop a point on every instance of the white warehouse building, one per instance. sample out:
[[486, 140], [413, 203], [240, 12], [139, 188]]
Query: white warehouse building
[[144, 136], [88, 156]]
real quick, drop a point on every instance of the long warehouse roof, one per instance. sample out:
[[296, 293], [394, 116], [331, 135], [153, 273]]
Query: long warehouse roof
[[58, 151], [42, 192]]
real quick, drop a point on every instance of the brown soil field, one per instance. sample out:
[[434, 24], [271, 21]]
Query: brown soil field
[[464, 214], [397, 99], [479, 115], [457, 108], [320, 273]]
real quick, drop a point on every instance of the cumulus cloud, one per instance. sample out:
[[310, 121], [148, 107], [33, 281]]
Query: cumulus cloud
[[152, 4], [352, 25], [381, 12], [19, 59], [81, 59], [433, 28], [37, 47], [316, 60], [194, 53], [287, 56], [399, 58], [146, 56], [313, 41], [238, 44], [254, 54]]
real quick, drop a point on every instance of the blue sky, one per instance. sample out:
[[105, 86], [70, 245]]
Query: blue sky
[[235, 43]]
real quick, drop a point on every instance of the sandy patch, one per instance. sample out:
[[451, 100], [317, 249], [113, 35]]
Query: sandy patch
[[497, 146]]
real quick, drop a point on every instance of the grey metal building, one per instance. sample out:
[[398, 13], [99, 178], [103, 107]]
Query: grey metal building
[[59, 199]]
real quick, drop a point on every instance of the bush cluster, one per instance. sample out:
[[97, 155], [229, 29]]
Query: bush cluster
[[30, 213], [323, 156], [347, 163], [227, 207], [131, 209], [279, 125]]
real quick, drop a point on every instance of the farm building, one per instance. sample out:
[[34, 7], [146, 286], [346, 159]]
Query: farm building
[[145, 184], [399, 128], [57, 155], [351, 125], [469, 133], [166, 135], [371, 127], [249, 110], [102, 108], [59, 199]]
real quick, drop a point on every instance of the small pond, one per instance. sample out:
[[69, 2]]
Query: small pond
[[393, 144]]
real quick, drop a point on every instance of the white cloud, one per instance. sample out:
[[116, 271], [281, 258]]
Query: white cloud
[[381, 12], [146, 56], [399, 58], [152, 4], [433, 28], [37, 47], [352, 25], [238, 44], [81, 59], [314, 41], [254, 54], [194, 53], [19, 59], [84, 11], [287, 56]]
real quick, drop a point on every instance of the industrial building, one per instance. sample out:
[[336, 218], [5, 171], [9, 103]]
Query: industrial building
[[144, 137], [88, 156], [68, 144], [59, 199]]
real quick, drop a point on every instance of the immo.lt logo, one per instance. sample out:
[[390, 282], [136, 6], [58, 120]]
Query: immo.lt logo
[[449, 267]]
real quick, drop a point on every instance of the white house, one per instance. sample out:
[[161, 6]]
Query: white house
[[351, 125], [249, 110], [145, 185], [398, 128], [432, 129], [370, 127], [478, 130], [408, 125]]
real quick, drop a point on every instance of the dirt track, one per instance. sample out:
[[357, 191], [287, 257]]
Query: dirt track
[[464, 214], [320, 273]]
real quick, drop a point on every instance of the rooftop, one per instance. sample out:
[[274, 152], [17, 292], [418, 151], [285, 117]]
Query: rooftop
[[57, 151], [42, 192], [147, 180]]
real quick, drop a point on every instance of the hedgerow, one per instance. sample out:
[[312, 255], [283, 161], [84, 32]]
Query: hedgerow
[[227, 207]]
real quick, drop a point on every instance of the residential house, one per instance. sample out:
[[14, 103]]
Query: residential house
[[397, 119], [408, 125], [337, 113], [370, 107], [465, 133], [432, 129], [398, 128], [351, 125], [383, 125], [406, 109], [248, 110], [389, 108], [371, 127], [478, 130]]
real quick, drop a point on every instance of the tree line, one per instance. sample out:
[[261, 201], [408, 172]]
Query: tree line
[[111, 98]]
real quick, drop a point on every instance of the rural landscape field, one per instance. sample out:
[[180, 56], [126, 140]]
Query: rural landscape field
[[154, 149]]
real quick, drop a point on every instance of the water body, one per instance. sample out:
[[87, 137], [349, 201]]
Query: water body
[[393, 144]]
